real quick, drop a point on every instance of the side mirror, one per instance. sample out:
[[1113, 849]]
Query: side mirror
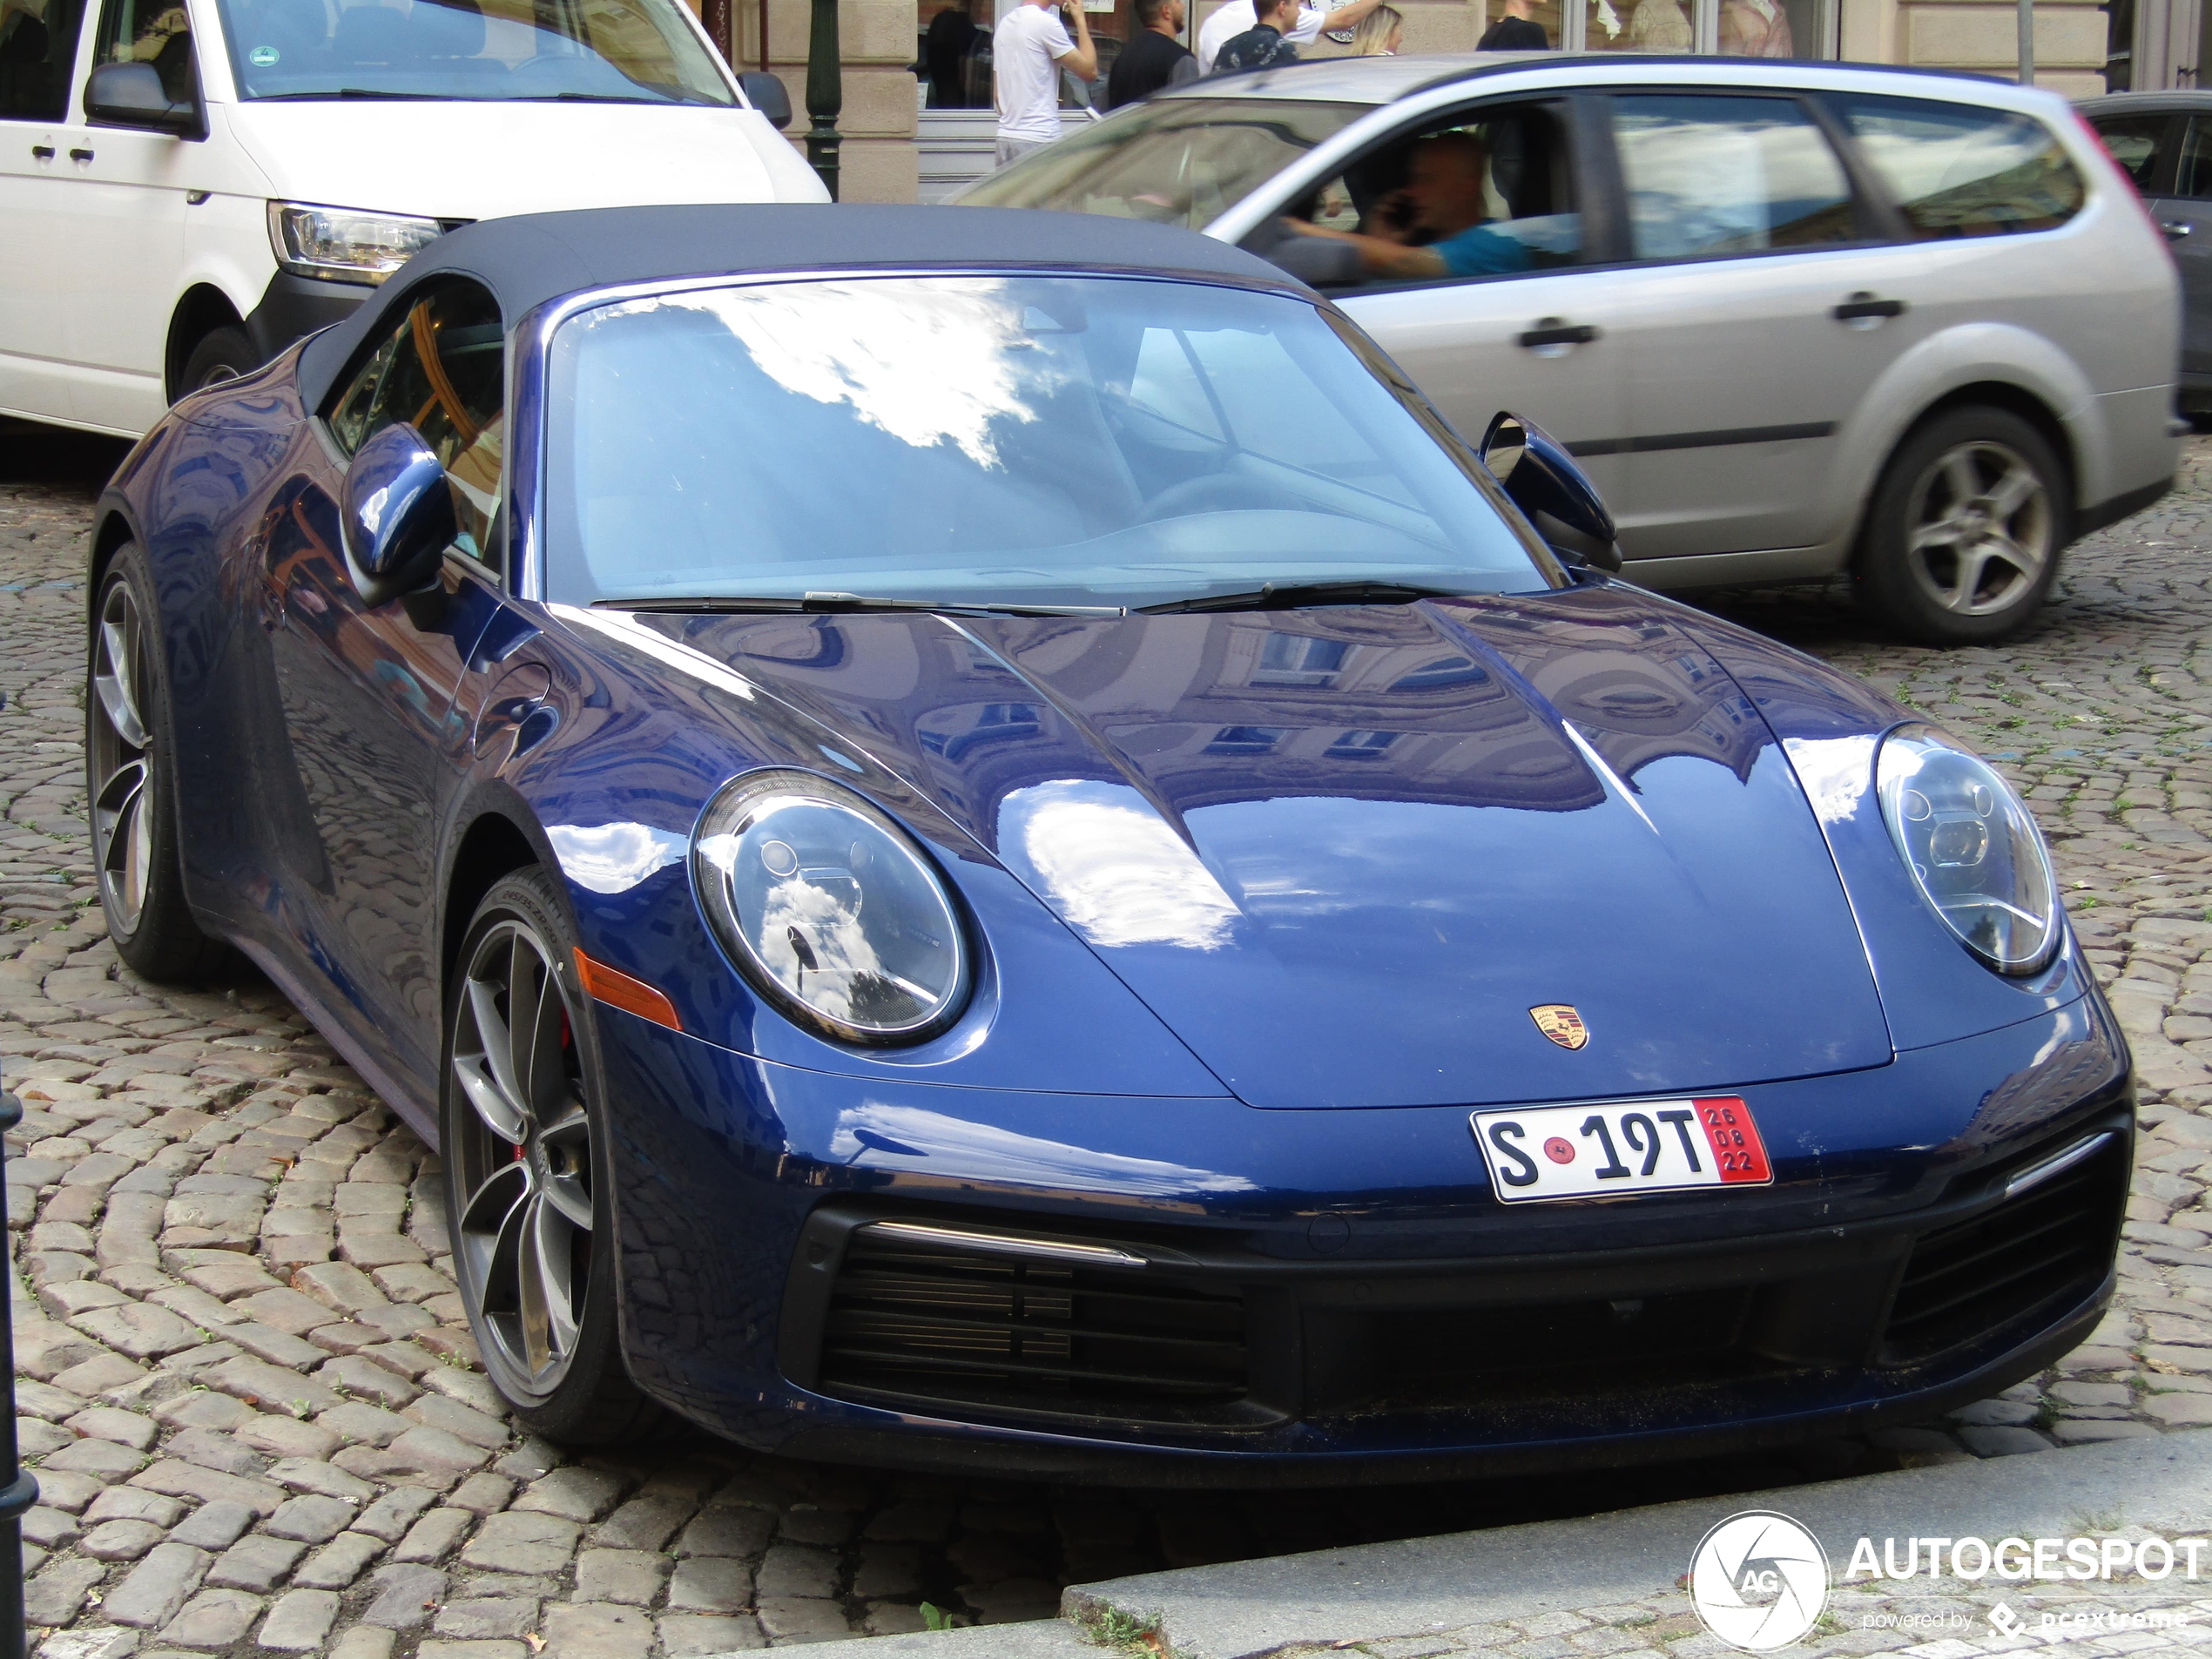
[[130, 95], [767, 94], [1558, 496], [397, 517]]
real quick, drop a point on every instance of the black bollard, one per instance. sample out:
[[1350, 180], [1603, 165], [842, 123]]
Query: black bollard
[[21, 1488]]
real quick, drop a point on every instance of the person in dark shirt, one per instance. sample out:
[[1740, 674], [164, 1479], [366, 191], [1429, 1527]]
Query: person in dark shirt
[[1514, 32], [1263, 45], [952, 32], [1155, 58]]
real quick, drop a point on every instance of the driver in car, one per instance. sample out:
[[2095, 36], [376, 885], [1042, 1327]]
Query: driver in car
[[1434, 226]]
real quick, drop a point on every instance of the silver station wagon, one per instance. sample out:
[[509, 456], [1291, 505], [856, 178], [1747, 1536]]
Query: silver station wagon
[[1795, 319]]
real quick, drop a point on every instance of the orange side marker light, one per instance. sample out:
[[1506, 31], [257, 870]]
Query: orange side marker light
[[616, 989]]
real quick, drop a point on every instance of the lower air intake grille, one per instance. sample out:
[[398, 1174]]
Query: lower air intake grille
[[931, 1324], [2049, 1245]]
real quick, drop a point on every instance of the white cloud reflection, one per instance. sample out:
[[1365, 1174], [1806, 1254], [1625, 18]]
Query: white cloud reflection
[[878, 1135], [928, 363], [613, 858], [1112, 868]]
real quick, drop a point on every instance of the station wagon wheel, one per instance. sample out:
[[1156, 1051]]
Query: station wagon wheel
[[129, 785], [524, 1172], [1965, 530]]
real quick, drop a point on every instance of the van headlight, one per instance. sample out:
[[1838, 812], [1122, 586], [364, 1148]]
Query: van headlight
[[830, 909], [340, 244], [1974, 852]]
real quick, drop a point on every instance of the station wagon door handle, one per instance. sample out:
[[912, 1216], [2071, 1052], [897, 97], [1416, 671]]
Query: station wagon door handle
[[1554, 331], [2175, 229], [1865, 305]]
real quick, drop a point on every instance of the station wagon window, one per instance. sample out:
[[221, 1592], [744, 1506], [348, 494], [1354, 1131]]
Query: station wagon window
[[1707, 176], [2193, 166], [37, 50], [2136, 141], [440, 367], [149, 31], [1960, 170]]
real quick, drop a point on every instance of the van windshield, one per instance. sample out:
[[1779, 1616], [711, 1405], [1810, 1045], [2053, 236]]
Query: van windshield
[[621, 52]]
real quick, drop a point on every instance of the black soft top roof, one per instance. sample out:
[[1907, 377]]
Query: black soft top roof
[[535, 256]]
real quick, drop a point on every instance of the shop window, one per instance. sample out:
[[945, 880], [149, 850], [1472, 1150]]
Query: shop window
[[1711, 176], [1732, 28], [1963, 170]]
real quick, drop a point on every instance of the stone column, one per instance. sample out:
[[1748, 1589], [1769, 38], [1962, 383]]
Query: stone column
[[876, 163]]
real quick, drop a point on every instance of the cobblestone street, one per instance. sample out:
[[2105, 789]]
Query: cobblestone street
[[249, 1393]]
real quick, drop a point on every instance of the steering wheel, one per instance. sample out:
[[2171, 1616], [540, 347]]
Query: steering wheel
[[1213, 492]]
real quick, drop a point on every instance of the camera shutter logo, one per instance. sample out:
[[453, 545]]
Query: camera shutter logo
[[1758, 1581]]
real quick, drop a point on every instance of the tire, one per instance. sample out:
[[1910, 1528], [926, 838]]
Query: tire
[[130, 784], [221, 354], [522, 1151], [1964, 535]]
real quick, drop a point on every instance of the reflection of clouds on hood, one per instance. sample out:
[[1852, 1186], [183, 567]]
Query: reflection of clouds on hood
[[1108, 864], [940, 1145], [613, 858], [1836, 774], [928, 363]]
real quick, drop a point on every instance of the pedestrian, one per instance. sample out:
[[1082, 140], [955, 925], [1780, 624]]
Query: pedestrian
[[1028, 50], [951, 31], [1380, 33], [1261, 46], [1238, 16], [1516, 32], [1155, 58]]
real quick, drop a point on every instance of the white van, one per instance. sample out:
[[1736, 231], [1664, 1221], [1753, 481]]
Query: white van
[[187, 186]]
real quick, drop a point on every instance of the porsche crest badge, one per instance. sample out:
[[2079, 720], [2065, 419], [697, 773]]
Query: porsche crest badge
[[1559, 1021]]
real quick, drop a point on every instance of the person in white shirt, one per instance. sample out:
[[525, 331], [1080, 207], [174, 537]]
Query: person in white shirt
[[1238, 16], [1028, 50]]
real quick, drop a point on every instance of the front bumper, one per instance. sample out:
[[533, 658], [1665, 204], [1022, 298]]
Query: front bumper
[[294, 307], [1339, 1300]]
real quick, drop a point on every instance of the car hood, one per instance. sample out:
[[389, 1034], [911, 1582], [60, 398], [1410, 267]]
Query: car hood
[[1345, 853], [400, 158]]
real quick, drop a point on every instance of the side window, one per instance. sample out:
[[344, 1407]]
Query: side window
[[2193, 166], [1487, 192], [149, 31], [1960, 170], [442, 369], [2136, 141], [1712, 175], [37, 51]]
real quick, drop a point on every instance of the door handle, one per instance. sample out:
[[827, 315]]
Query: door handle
[[1865, 305], [42, 152], [80, 155], [2175, 229], [1556, 331]]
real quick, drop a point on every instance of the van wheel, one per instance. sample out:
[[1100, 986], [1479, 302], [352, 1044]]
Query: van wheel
[[1963, 537], [222, 355]]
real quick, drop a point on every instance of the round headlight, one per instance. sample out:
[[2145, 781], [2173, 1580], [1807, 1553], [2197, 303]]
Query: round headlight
[[830, 909], [1974, 852]]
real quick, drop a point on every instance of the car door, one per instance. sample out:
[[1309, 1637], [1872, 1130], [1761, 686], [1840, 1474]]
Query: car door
[[1764, 309], [370, 694], [1545, 340], [2183, 210], [38, 62], [122, 225]]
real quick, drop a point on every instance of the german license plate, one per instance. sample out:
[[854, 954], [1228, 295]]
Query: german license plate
[[1544, 1152]]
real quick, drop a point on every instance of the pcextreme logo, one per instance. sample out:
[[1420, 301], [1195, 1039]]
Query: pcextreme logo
[[1758, 1581]]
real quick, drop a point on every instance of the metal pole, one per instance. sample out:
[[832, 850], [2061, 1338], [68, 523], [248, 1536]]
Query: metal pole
[[2027, 42], [720, 28], [825, 93], [18, 1486]]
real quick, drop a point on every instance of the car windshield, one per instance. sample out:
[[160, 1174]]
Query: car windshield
[[621, 52], [1179, 161], [1116, 442]]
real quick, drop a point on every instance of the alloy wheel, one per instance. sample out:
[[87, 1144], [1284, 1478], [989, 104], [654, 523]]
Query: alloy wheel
[[121, 759], [525, 1155], [1980, 528]]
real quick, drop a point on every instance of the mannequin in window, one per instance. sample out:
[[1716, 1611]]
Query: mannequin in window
[[1755, 29], [1659, 26]]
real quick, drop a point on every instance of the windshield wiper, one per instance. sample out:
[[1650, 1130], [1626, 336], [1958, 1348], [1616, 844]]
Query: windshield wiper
[[1290, 595], [355, 91], [833, 603]]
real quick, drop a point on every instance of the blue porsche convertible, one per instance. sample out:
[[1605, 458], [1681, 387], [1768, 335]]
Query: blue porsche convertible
[[980, 838]]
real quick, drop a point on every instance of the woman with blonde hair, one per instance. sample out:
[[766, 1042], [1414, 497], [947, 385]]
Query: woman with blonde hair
[[1379, 33]]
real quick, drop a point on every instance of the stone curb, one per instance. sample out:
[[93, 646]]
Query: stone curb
[[1415, 1587]]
